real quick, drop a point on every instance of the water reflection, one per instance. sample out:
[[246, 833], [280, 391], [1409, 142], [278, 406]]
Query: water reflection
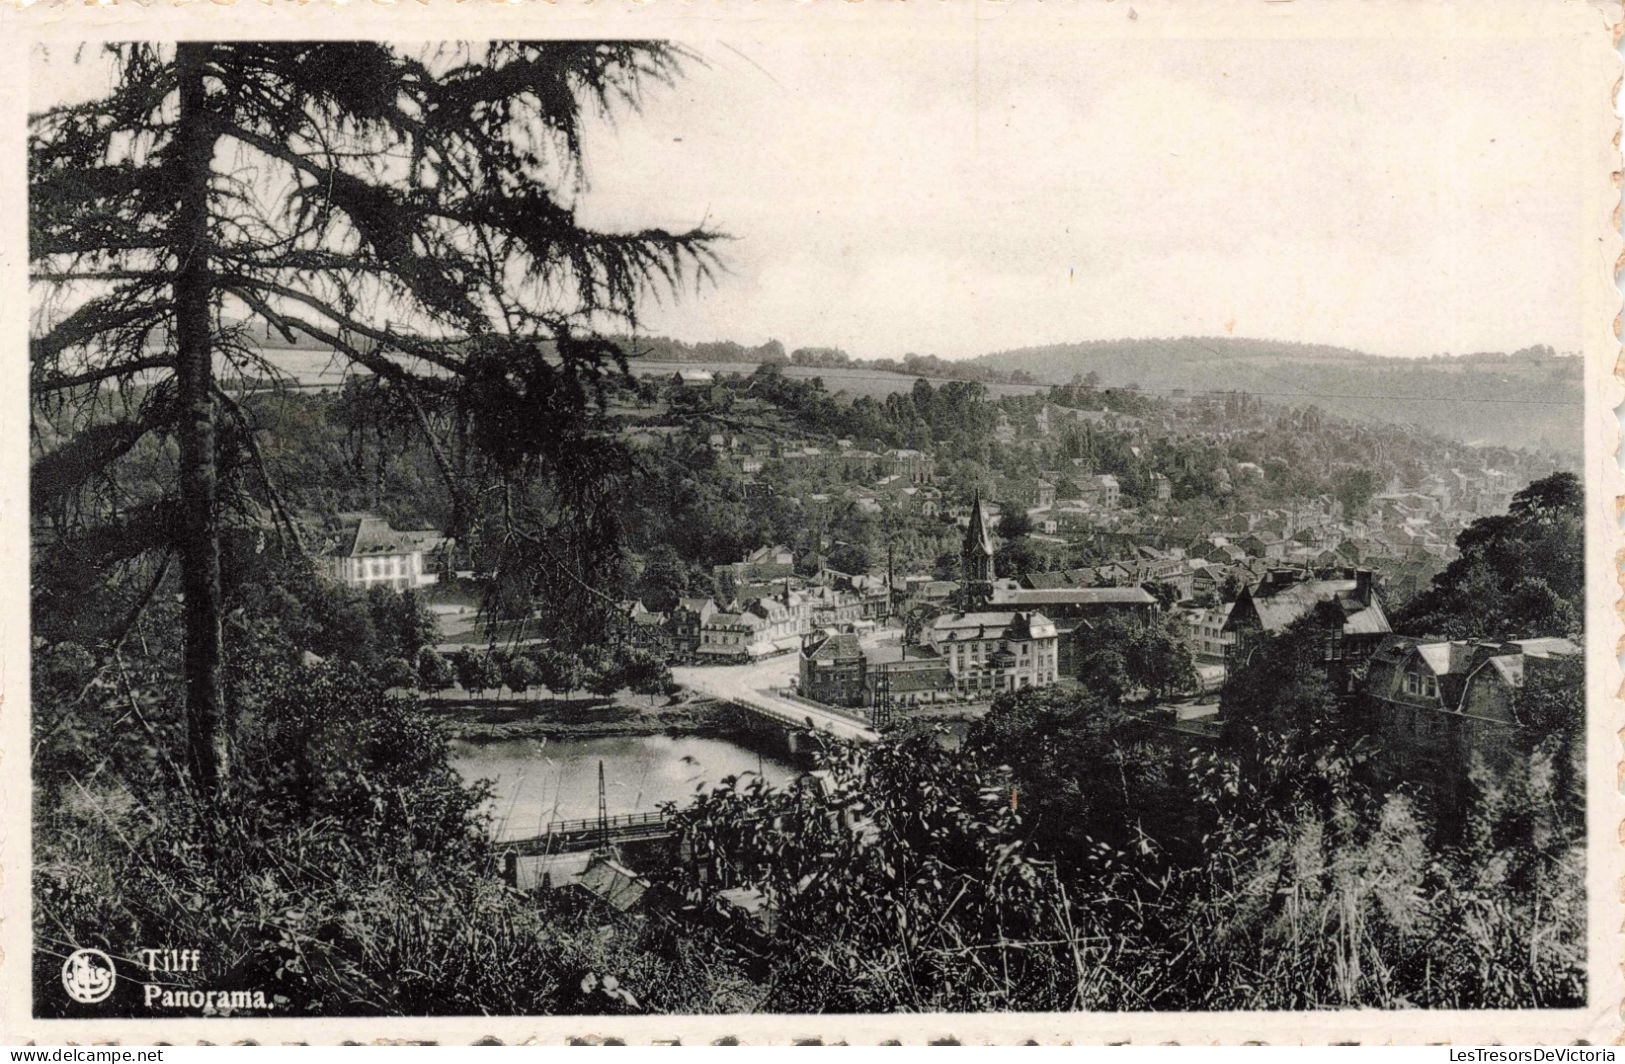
[[540, 780]]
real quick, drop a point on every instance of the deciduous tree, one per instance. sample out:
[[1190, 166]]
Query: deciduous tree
[[434, 671]]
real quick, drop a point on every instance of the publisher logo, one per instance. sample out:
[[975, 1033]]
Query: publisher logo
[[88, 976]]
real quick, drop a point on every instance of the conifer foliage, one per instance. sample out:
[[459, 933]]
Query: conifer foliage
[[413, 210]]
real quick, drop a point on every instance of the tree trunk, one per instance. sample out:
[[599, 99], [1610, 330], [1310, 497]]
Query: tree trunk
[[207, 749]]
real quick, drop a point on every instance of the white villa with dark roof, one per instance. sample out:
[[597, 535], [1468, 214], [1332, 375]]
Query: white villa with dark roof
[[372, 554]]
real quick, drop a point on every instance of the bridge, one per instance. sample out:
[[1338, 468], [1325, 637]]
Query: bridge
[[761, 688], [589, 833]]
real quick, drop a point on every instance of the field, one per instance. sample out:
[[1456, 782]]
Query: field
[[319, 369], [874, 383]]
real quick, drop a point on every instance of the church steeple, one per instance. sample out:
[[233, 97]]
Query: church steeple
[[976, 559]]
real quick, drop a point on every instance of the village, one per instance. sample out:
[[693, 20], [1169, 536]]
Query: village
[[795, 638], [1006, 522]]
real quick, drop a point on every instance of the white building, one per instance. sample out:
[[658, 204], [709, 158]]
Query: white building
[[1205, 634], [373, 554], [987, 652]]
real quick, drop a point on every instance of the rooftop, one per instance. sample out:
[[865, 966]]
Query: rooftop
[[1073, 596], [372, 536]]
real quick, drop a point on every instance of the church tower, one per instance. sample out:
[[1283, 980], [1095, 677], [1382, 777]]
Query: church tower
[[976, 561]]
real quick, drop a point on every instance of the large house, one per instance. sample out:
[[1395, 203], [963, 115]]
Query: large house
[[646, 628], [685, 621], [1073, 611], [916, 466], [905, 675], [837, 669], [987, 651], [832, 668], [1353, 620], [1204, 632], [1099, 490], [730, 635], [372, 554], [1441, 704]]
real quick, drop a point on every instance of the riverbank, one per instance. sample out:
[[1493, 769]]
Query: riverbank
[[497, 719]]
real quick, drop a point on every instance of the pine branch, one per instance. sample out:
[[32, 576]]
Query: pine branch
[[278, 507], [59, 381]]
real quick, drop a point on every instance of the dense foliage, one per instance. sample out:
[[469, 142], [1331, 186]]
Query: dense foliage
[[413, 211], [348, 876], [1065, 858], [1066, 853], [1520, 573]]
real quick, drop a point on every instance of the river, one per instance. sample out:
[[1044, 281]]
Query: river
[[540, 780]]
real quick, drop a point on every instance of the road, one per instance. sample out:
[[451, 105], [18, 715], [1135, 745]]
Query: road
[[749, 685]]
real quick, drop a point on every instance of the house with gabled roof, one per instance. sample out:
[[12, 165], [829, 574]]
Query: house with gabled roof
[[685, 620], [1353, 622], [1440, 705], [372, 554], [832, 668], [988, 651]]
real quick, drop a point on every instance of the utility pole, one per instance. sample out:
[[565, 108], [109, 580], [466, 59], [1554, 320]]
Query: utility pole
[[891, 565], [603, 811], [880, 714]]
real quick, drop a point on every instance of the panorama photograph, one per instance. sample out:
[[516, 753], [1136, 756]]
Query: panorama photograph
[[604, 527]]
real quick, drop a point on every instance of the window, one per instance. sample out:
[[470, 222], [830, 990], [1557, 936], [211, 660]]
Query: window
[[1430, 687]]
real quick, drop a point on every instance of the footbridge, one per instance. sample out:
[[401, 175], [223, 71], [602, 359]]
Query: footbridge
[[589, 833]]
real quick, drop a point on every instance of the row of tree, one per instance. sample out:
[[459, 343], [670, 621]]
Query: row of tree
[[523, 669]]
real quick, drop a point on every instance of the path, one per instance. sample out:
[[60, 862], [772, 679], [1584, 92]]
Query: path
[[751, 686]]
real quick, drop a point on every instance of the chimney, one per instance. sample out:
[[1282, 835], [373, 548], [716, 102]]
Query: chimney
[[1362, 585]]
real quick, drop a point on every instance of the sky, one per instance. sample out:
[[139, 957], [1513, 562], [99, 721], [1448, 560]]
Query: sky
[[959, 193], [961, 196]]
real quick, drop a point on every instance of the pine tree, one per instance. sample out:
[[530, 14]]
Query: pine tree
[[411, 211]]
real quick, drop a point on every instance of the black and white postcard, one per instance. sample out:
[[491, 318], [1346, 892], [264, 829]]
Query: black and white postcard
[[990, 522]]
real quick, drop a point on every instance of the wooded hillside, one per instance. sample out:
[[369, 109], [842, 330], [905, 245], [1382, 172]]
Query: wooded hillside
[[1528, 398]]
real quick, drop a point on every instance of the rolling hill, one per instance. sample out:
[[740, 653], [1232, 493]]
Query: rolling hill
[[1530, 398]]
